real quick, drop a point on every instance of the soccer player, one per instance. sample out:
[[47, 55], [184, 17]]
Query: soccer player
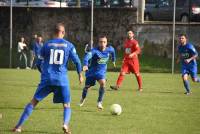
[[95, 65], [130, 61], [55, 53], [187, 55]]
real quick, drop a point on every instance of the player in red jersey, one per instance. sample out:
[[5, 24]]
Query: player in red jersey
[[130, 61]]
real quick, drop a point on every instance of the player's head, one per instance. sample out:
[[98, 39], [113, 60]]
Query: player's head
[[182, 39], [102, 42], [39, 39], [35, 36], [59, 30], [130, 34], [22, 39]]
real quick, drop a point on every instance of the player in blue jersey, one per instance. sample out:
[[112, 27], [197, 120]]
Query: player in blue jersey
[[187, 55], [95, 65], [55, 53]]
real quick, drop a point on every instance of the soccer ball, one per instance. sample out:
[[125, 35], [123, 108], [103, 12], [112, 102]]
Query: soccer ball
[[115, 109]]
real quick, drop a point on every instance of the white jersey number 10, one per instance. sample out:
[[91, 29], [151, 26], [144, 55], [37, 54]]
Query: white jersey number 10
[[56, 56]]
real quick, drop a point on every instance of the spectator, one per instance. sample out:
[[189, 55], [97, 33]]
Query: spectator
[[33, 41], [36, 50], [22, 52]]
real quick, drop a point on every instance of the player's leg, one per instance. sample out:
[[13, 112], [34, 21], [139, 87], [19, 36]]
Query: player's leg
[[27, 112], [186, 83], [102, 83], [62, 95], [41, 92], [90, 81], [193, 73], [84, 95], [124, 70], [136, 70], [66, 118]]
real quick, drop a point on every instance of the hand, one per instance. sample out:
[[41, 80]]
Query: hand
[[85, 68], [114, 64], [187, 61], [132, 55], [81, 78]]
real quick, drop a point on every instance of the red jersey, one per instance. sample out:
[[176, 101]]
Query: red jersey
[[131, 46]]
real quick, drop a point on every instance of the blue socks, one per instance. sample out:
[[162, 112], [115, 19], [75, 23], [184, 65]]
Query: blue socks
[[27, 112], [101, 93], [187, 85], [84, 93], [67, 115]]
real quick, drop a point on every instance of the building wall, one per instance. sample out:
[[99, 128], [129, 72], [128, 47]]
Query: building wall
[[26, 22]]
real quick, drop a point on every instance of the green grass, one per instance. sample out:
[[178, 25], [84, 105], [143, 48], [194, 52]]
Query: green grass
[[161, 109]]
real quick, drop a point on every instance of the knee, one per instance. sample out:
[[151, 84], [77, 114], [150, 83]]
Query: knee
[[103, 85], [34, 102], [66, 105], [137, 74], [194, 79], [122, 73], [185, 78], [86, 87]]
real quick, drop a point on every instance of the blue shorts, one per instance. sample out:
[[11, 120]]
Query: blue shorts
[[192, 71], [61, 93], [91, 80]]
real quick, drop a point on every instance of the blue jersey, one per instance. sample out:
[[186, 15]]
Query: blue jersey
[[55, 54], [186, 52], [96, 60], [37, 48]]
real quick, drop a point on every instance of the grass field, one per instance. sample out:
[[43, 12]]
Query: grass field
[[161, 109]]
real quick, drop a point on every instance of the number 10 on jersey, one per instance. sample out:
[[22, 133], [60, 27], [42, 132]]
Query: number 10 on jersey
[[56, 56]]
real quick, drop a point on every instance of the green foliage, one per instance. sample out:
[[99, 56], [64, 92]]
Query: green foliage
[[161, 108]]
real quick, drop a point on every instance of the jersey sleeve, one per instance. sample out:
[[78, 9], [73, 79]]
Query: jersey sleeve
[[87, 57], [75, 59], [193, 50], [137, 48], [113, 54]]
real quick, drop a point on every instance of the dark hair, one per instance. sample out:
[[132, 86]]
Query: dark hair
[[182, 34], [57, 27], [102, 36]]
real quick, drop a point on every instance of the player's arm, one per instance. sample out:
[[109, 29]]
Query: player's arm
[[136, 52], [113, 56], [194, 54], [178, 58], [40, 59], [86, 59], [75, 59]]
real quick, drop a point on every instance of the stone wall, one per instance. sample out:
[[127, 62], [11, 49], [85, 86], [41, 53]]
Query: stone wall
[[156, 38], [28, 21]]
